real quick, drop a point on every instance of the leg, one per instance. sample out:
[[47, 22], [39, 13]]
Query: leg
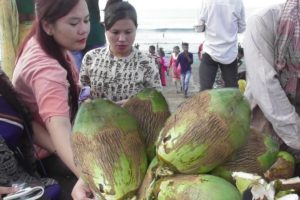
[[219, 82], [229, 74], [182, 76], [207, 72], [186, 82], [176, 86]]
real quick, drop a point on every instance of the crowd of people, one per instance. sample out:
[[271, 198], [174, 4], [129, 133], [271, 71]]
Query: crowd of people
[[61, 57], [179, 64]]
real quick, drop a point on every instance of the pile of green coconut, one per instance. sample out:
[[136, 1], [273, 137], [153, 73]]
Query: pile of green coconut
[[142, 151]]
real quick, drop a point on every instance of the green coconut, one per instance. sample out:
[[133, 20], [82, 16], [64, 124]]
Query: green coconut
[[150, 177], [283, 168], [204, 131], [194, 187], [255, 157], [151, 111], [108, 150]]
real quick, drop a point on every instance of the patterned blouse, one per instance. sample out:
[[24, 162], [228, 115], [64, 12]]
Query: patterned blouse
[[118, 78]]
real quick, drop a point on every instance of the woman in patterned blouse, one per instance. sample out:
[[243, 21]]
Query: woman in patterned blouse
[[118, 71]]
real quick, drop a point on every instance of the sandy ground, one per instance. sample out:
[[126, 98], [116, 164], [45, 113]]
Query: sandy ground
[[173, 98]]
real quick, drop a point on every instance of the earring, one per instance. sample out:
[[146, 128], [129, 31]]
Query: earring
[[49, 33]]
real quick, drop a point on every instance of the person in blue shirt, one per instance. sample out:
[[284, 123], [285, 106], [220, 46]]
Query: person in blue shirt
[[185, 59]]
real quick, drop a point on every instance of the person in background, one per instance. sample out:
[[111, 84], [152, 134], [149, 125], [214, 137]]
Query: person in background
[[152, 54], [241, 69], [152, 51], [271, 46], [137, 46], [163, 66], [118, 71], [185, 60], [175, 70], [16, 17], [221, 42], [45, 75], [96, 36], [241, 64], [17, 155], [26, 17]]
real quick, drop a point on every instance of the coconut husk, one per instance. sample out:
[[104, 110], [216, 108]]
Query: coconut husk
[[151, 111], [257, 156], [108, 152], [283, 168], [204, 131], [194, 187]]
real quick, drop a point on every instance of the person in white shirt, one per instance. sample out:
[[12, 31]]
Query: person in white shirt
[[221, 20], [272, 56]]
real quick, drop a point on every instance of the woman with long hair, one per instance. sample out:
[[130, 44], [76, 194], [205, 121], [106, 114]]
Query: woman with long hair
[[45, 73]]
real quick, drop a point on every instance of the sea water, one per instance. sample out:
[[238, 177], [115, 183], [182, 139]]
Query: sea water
[[168, 38]]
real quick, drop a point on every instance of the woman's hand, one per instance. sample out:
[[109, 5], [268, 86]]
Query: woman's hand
[[85, 93], [81, 191], [7, 190]]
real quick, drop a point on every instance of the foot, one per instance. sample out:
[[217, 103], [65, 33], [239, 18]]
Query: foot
[[185, 94]]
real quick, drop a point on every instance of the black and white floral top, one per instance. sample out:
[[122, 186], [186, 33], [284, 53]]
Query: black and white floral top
[[118, 78]]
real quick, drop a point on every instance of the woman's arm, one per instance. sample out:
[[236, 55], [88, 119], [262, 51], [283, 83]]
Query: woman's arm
[[42, 138], [60, 131]]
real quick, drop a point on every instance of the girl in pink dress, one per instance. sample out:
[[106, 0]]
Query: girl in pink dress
[[175, 70], [163, 67]]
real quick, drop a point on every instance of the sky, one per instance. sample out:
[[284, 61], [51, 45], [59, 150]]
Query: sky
[[176, 14], [178, 4], [188, 4]]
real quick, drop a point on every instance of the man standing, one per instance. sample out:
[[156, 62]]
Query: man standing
[[185, 59], [221, 20]]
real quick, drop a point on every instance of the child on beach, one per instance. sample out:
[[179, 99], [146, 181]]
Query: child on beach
[[163, 66], [175, 70]]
